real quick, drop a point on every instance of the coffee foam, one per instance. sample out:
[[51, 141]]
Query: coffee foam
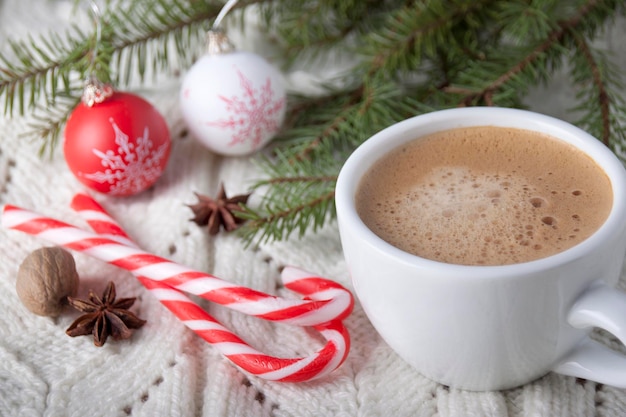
[[477, 199]]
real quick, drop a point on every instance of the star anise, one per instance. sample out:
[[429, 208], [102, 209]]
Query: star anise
[[104, 316], [218, 212]]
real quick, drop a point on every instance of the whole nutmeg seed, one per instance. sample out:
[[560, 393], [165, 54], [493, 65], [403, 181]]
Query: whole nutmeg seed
[[45, 279]]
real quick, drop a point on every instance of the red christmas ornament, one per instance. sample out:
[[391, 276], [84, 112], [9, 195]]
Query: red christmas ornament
[[116, 143]]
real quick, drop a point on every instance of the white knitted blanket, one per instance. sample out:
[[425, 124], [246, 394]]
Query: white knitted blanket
[[165, 369]]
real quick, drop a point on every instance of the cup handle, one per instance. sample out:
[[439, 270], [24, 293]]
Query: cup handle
[[603, 307]]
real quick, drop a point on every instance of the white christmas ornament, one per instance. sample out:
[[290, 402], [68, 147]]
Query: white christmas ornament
[[232, 101]]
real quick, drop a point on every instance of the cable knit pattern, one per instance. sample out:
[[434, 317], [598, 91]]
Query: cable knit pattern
[[165, 369]]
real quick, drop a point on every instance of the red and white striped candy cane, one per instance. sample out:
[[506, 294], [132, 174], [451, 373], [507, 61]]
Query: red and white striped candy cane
[[337, 302], [314, 366], [99, 219], [230, 345]]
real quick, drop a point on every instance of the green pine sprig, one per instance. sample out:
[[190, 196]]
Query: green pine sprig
[[423, 57], [136, 39], [42, 68], [301, 201], [602, 112], [408, 58]]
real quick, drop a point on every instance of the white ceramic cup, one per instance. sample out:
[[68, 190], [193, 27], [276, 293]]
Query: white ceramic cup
[[491, 327]]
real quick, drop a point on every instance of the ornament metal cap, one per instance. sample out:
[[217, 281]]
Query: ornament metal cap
[[95, 91], [218, 42]]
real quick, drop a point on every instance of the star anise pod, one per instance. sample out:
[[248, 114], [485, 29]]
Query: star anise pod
[[104, 316], [218, 212]]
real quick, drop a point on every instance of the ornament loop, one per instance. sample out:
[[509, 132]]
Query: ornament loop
[[229, 5], [95, 92], [97, 18], [218, 42]]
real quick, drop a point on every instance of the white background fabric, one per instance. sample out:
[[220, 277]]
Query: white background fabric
[[164, 369]]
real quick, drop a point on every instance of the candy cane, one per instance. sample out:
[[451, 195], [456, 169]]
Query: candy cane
[[336, 305], [317, 365], [99, 220], [230, 345]]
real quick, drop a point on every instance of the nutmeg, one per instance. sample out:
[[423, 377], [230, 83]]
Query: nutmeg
[[45, 279]]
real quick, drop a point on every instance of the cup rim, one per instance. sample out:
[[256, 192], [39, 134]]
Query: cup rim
[[391, 137]]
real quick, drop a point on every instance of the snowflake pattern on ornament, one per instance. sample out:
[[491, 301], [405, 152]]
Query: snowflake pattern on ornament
[[132, 167], [253, 115]]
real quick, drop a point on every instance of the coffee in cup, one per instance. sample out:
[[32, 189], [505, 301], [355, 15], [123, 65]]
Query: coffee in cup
[[484, 195]]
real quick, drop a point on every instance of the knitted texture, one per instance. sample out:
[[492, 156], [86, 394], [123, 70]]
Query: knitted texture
[[165, 369]]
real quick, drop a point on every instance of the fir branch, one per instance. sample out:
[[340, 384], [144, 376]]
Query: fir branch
[[523, 66], [528, 20], [602, 111], [346, 120], [599, 84], [349, 104], [48, 122], [307, 30], [282, 218], [40, 69], [297, 196], [419, 32], [303, 179], [538, 52], [143, 31], [135, 37], [132, 34]]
